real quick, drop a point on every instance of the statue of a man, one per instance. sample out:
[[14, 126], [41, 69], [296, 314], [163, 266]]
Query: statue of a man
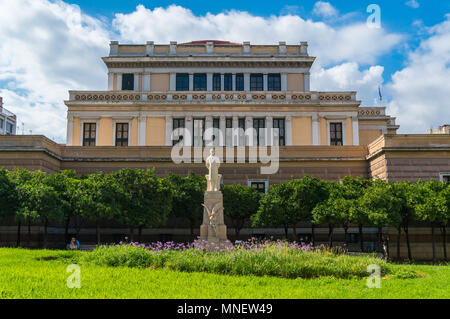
[[213, 178]]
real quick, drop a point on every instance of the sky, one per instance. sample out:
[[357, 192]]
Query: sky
[[49, 47]]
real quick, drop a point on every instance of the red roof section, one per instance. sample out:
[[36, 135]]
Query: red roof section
[[215, 42]]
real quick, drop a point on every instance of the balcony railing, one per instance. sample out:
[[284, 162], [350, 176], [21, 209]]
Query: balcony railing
[[212, 97]]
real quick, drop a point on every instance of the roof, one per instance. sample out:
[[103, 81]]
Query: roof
[[215, 42]]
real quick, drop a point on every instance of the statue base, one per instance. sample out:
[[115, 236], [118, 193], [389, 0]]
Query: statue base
[[213, 230]]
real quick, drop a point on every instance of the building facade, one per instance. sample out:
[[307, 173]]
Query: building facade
[[7, 121]]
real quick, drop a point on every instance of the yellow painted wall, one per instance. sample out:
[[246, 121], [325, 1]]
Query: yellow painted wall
[[134, 132], [295, 82], [155, 131], [368, 136], [301, 130], [105, 132], [76, 133], [160, 82], [348, 131], [323, 131]]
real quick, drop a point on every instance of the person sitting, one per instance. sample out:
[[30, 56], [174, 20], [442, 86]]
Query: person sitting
[[74, 244]]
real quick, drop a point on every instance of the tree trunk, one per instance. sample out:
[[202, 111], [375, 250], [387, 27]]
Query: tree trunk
[[131, 234], [330, 235], [345, 235], [433, 244], [294, 231], [399, 234], [140, 233], [97, 232], [405, 229], [45, 233], [380, 248], [191, 224], [19, 225], [313, 235], [66, 231], [237, 230], [29, 234], [361, 240], [444, 241], [286, 230]]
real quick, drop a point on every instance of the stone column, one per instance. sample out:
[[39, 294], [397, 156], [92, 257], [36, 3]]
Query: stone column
[[355, 128], [191, 81], [222, 127], [119, 82], [288, 132], [249, 141], [142, 130], [136, 82], [146, 82], [233, 76], [235, 135], [169, 129], [246, 81], [222, 82], [173, 82], [315, 130], [283, 82], [265, 82], [268, 136], [208, 127], [69, 130], [188, 125], [209, 82], [110, 81]]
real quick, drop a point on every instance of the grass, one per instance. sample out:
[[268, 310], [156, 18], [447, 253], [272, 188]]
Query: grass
[[42, 274]]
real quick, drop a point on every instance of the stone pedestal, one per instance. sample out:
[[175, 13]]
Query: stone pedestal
[[213, 228]]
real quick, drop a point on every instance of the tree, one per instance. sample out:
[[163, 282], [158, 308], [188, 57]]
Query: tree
[[20, 177], [41, 201], [240, 203], [188, 195], [96, 199], [378, 201], [8, 198], [432, 208], [144, 200], [330, 212]]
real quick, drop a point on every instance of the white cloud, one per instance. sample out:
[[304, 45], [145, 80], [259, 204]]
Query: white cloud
[[325, 9], [413, 4], [349, 77], [420, 90], [354, 42], [48, 48]]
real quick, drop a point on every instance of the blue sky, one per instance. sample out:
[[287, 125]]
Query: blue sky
[[52, 46]]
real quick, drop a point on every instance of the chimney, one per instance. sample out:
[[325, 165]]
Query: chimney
[[304, 48], [173, 47], [149, 48], [282, 47], [246, 47], [114, 48]]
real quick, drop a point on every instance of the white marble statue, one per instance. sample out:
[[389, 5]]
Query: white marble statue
[[213, 178]]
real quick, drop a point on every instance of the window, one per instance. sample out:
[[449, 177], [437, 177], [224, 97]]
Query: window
[[200, 82], [256, 82], [217, 86], [1, 124], [445, 177], [239, 82], [336, 134], [260, 186], [279, 124], [128, 81], [121, 134], [182, 82], [178, 130], [199, 131], [274, 82], [241, 125], [229, 131], [9, 128], [89, 134], [228, 82], [259, 125]]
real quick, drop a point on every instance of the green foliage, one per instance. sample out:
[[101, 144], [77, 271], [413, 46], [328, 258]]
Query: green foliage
[[188, 197], [240, 203], [8, 195]]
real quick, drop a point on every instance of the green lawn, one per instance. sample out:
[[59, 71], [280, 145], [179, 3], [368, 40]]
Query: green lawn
[[35, 274]]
